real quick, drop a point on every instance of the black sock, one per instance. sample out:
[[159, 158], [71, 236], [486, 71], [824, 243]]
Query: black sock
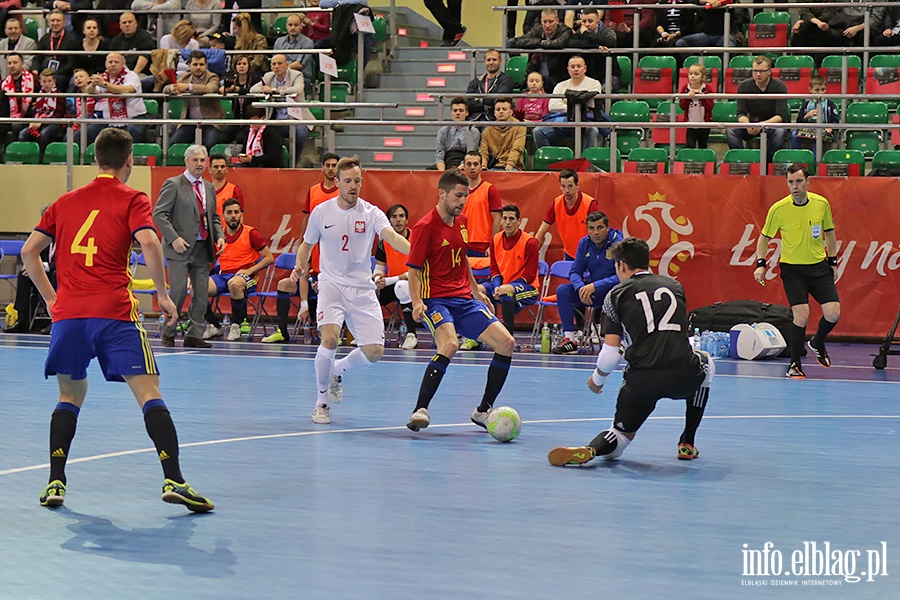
[[497, 373], [434, 372], [796, 339], [62, 430], [211, 317], [161, 430], [283, 309], [508, 311], [604, 443], [822, 332], [408, 318], [693, 414], [238, 310]]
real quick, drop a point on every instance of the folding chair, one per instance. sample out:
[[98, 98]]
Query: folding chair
[[533, 309], [268, 290], [558, 269], [253, 299], [11, 248]]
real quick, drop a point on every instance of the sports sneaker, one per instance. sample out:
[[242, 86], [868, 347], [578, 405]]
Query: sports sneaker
[[458, 37], [182, 493], [560, 457], [275, 338], [211, 331], [245, 326], [795, 372], [821, 353], [481, 418], [336, 389], [321, 414], [419, 420], [54, 494], [234, 332], [687, 452], [410, 342], [567, 347], [182, 327], [469, 344]]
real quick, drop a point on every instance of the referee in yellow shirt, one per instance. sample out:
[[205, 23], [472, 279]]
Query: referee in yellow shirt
[[808, 263]]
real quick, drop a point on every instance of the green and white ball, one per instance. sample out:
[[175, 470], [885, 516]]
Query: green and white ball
[[504, 424]]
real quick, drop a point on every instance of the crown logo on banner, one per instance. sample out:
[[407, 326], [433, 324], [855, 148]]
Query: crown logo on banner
[[657, 215]]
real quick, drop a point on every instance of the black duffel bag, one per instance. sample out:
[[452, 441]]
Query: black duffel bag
[[722, 316]]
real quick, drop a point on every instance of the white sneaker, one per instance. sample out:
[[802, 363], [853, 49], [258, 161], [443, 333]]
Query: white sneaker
[[481, 418], [336, 389], [410, 342], [419, 420], [211, 331], [321, 415], [234, 332]]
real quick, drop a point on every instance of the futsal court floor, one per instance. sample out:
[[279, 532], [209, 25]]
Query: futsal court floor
[[366, 509]]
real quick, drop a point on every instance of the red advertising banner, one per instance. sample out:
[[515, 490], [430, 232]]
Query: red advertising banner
[[701, 229]]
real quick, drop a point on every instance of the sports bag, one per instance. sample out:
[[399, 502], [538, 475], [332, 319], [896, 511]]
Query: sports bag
[[722, 316]]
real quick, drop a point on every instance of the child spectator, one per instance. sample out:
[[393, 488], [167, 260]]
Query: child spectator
[[697, 108], [316, 24], [84, 107], [533, 109], [806, 138], [45, 107]]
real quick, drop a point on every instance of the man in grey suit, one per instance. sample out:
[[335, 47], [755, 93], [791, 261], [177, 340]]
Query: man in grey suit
[[189, 241]]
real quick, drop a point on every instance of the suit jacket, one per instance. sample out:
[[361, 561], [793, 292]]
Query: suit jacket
[[176, 215]]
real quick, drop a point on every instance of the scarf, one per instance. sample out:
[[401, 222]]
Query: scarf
[[254, 143], [89, 110], [45, 107], [18, 107], [118, 107]]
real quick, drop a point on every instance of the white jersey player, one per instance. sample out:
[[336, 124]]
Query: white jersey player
[[345, 228]]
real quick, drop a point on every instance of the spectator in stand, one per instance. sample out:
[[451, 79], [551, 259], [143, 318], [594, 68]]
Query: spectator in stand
[[84, 106], [255, 17], [198, 82], [162, 21], [294, 40], [206, 23], [673, 23], [579, 82], [885, 22], [117, 80], [238, 82], [343, 36], [95, 48], [58, 39], [503, 146], [697, 108], [15, 42], [279, 83], [21, 81], [109, 23], [247, 38], [482, 207], [569, 211], [762, 111], [181, 38], [73, 21], [5, 7], [533, 109], [710, 26], [621, 21], [494, 81], [218, 168], [593, 35], [316, 23], [263, 144], [809, 113], [45, 107], [448, 13], [454, 141], [133, 37], [549, 34]]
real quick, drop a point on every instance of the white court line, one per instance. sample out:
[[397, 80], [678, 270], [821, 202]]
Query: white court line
[[275, 436]]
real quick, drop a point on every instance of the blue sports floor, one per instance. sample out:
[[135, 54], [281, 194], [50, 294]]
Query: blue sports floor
[[366, 509]]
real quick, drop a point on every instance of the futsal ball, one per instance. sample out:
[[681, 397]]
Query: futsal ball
[[504, 424]]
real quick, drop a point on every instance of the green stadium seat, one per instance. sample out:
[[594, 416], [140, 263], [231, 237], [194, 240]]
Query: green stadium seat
[[348, 72], [143, 153], [740, 156], [547, 155], [887, 159], [176, 107], [175, 155], [228, 107], [770, 29], [599, 157], [286, 158], [517, 68], [629, 111], [833, 63], [647, 160], [866, 141], [710, 62], [55, 153], [89, 155], [788, 156], [279, 27], [741, 61], [724, 111], [340, 90], [22, 153], [31, 29], [379, 23], [695, 160], [152, 107], [627, 68], [841, 163]]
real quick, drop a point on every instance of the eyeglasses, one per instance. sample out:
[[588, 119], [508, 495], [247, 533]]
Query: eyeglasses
[[760, 70]]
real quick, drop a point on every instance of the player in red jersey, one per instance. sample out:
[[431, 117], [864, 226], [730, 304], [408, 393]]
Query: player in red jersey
[[96, 315], [442, 289]]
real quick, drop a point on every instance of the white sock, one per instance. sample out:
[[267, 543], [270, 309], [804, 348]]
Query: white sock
[[324, 365], [569, 335], [354, 360]]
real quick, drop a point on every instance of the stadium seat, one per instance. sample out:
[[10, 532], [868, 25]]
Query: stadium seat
[[286, 158], [547, 155], [795, 71], [379, 24], [887, 159], [340, 90], [31, 29], [655, 75], [517, 69], [228, 107], [22, 153], [348, 72], [832, 71], [738, 70], [55, 153], [842, 163], [629, 111], [663, 114], [89, 155], [866, 141], [264, 25], [176, 107], [152, 107], [785, 157], [713, 66], [599, 157], [740, 162], [148, 154], [647, 160], [695, 160], [724, 111], [279, 27], [883, 77], [175, 154], [627, 69], [770, 29]]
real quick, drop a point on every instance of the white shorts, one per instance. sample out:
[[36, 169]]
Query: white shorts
[[358, 307]]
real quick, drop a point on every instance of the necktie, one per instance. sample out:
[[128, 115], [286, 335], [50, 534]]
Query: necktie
[[199, 193]]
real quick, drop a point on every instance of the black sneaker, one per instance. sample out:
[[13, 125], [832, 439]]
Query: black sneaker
[[182, 493], [795, 372], [821, 353], [54, 494], [567, 347]]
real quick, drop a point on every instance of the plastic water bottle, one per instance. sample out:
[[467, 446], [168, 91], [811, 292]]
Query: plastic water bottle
[[695, 341], [705, 344], [724, 344], [545, 339], [403, 332], [226, 321], [141, 317], [554, 336]]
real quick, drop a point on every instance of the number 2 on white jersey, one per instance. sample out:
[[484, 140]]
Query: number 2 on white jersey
[[665, 323], [89, 249]]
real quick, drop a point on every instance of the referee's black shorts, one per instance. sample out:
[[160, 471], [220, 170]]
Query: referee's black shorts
[[801, 281]]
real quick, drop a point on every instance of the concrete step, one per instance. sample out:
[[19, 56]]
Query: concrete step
[[407, 111], [393, 158], [434, 53], [369, 137], [443, 83], [431, 68], [406, 96]]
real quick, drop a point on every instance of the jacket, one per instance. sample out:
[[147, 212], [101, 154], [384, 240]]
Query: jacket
[[210, 107], [507, 144]]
